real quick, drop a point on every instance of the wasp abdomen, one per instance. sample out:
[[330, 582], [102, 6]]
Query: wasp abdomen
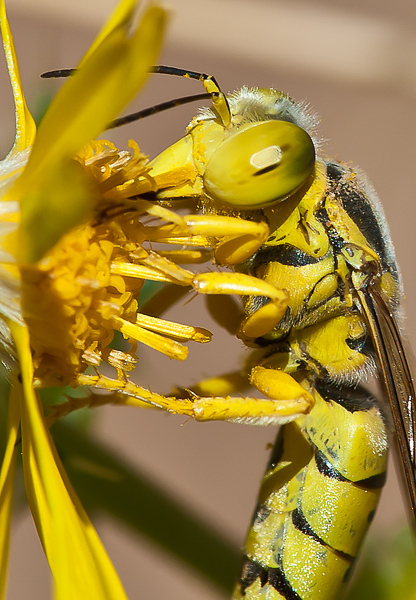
[[317, 499]]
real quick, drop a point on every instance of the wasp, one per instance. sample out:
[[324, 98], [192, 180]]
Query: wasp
[[313, 230], [311, 256]]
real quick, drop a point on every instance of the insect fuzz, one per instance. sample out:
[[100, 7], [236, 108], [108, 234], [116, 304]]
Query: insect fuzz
[[327, 251]]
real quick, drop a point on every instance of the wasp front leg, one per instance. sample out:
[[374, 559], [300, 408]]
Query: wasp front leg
[[233, 239]]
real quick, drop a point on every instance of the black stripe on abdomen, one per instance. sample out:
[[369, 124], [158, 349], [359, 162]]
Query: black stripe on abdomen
[[267, 576], [325, 467], [299, 521]]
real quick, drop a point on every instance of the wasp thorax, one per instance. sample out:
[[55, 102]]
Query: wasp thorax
[[262, 163]]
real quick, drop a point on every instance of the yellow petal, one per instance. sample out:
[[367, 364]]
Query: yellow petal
[[89, 100], [121, 17], [79, 563], [107, 81], [63, 201], [25, 125], [6, 489]]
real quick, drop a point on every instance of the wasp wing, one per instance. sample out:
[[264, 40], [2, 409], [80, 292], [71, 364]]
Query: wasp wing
[[397, 379]]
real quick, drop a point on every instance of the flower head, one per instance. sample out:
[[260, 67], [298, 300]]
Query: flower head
[[86, 287], [72, 263]]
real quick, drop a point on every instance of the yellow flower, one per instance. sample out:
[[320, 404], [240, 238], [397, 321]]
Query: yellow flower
[[72, 263]]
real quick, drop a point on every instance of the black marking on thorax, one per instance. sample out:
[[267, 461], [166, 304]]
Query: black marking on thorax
[[336, 241], [284, 254], [363, 344], [356, 205], [352, 399]]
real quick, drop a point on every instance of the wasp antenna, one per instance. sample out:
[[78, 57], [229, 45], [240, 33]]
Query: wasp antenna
[[211, 86], [57, 73], [209, 82], [152, 110]]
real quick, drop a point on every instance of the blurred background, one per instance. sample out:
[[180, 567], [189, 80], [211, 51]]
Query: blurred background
[[354, 61]]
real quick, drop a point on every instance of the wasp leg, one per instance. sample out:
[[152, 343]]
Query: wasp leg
[[156, 268], [262, 320], [234, 240], [240, 239], [117, 390], [226, 384], [286, 399]]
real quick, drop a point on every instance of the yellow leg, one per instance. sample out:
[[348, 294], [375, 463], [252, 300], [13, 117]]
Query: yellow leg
[[265, 318], [286, 400], [234, 240], [255, 325]]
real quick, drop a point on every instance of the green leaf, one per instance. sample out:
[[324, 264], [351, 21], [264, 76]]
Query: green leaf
[[387, 569]]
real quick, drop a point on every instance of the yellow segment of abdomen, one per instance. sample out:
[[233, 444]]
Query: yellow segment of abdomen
[[317, 499]]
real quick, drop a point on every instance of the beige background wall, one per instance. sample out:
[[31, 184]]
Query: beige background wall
[[354, 61]]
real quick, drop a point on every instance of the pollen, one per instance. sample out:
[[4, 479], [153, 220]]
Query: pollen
[[118, 174], [86, 288]]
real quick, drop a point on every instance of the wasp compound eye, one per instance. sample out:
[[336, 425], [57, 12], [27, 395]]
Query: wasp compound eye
[[260, 164]]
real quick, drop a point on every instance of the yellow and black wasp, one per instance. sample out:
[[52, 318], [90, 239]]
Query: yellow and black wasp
[[312, 258], [254, 156]]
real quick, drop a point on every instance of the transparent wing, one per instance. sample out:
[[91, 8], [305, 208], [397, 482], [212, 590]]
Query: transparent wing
[[397, 378]]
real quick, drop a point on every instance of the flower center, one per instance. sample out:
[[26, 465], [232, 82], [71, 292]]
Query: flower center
[[85, 288]]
